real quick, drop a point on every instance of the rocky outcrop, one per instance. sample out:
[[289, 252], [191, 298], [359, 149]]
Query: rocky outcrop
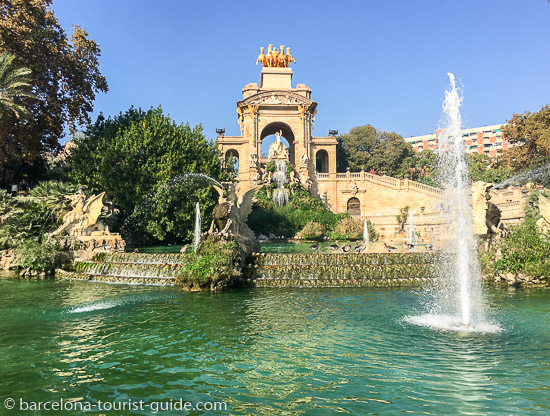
[[520, 279], [7, 260]]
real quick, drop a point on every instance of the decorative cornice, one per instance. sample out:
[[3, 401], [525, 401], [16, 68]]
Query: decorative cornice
[[277, 97]]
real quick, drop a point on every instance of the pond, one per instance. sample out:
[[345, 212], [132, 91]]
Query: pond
[[269, 351]]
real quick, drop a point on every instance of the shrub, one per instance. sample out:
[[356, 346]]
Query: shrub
[[349, 229], [35, 256], [268, 218], [214, 264], [524, 250], [313, 231]]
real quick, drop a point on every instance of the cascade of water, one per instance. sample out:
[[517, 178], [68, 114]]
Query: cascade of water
[[457, 303], [280, 194], [411, 238], [365, 234], [197, 232]]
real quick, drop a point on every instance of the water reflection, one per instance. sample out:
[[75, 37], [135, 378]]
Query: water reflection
[[295, 352]]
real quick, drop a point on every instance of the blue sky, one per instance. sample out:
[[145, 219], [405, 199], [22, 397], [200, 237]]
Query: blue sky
[[381, 62]]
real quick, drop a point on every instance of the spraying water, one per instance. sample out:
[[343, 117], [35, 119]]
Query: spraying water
[[280, 194], [365, 233], [411, 237], [457, 302], [198, 224]]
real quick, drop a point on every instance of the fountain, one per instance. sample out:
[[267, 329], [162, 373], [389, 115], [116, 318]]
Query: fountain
[[457, 302], [280, 194], [278, 154], [411, 238], [365, 235], [197, 232]]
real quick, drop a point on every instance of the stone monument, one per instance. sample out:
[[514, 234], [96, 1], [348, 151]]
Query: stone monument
[[82, 226]]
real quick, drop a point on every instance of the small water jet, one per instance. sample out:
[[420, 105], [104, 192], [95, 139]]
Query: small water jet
[[280, 194], [197, 231], [457, 299], [539, 173], [365, 235], [411, 237]]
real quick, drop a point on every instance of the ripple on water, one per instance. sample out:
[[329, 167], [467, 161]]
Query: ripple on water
[[307, 352]]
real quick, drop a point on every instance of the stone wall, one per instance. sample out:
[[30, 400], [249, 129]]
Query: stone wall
[[7, 260], [342, 270]]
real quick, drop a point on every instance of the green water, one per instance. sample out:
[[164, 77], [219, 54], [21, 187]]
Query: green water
[[269, 352]]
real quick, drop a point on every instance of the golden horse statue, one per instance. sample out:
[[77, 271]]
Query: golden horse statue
[[275, 59]]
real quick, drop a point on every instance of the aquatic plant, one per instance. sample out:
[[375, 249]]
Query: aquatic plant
[[213, 266]]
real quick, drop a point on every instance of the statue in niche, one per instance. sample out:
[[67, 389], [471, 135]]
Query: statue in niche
[[304, 161], [253, 159], [278, 149], [353, 188]]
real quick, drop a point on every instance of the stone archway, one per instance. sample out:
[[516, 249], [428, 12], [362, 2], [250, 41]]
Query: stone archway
[[287, 133], [354, 207], [321, 161], [233, 156]]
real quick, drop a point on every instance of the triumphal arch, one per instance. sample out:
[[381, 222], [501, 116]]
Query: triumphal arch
[[275, 106]]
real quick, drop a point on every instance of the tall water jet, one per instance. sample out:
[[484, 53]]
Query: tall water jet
[[457, 302], [365, 234], [280, 194], [198, 225], [411, 237]]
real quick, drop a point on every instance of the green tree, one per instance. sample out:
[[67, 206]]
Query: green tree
[[132, 157], [480, 168], [421, 167], [65, 79], [14, 85], [368, 148], [532, 131]]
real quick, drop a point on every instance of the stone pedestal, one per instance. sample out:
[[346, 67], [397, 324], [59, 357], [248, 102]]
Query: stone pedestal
[[276, 78]]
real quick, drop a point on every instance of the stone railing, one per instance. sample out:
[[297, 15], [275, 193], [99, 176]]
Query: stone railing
[[425, 188], [387, 181]]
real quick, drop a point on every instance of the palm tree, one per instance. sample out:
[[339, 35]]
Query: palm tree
[[14, 84]]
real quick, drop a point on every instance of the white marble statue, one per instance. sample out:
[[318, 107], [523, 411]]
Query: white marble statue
[[278, 149]]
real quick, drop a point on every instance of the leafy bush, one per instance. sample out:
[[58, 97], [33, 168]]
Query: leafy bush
[[35, 256], [352, 229], [216, 262], [268, 218], [524, 250], [313, 231], [32, 217]]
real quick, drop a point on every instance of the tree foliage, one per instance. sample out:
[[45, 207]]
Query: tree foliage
[[421, 167], [14, 85], [532, 131], [132, 157], [29, 218], [481, 168], [368, 148], [65, 78]]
